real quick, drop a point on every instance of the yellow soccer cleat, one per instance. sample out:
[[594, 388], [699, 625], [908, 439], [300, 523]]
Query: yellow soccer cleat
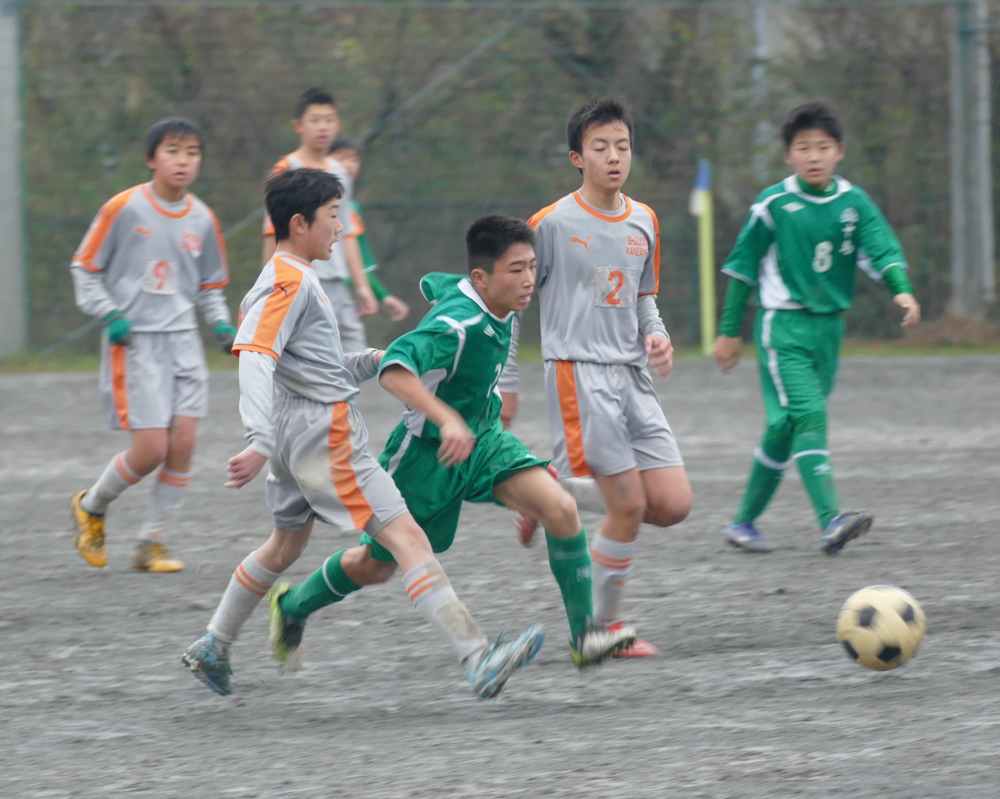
[[155, 558], [89, 535]]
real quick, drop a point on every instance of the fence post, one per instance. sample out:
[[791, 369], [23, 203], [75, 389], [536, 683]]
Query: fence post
[[13, 316]]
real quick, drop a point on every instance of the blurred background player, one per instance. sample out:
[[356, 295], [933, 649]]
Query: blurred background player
[[152, 254], [598, 275], [348, 153], [317, 123], [296, 387], [451, 448], [800, 247]]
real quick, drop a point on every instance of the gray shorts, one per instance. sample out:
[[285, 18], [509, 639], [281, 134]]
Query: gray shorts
[[606, 419], [156, 377], [352, 329], [321, 467]]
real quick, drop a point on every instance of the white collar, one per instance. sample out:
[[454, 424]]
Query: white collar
[[466, 287]]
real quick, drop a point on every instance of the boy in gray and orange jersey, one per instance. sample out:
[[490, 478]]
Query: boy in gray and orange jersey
[[317, 123], [598, 274], [296, 387], [152, 254]]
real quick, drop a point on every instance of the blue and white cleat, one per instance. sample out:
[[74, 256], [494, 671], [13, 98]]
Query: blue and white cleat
[[845, 527], [747, 537], [503, 658], [209, 663]]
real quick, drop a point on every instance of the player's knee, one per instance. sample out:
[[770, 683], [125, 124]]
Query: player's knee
[[668, 511], [561, 517], [145, 457], [630, 509]]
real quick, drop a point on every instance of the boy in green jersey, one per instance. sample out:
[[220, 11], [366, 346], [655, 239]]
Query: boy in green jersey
[[451, 447], [347, 152], [800, 247]]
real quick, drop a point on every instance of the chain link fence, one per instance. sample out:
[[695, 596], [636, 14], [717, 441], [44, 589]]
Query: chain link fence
[[465, 106]]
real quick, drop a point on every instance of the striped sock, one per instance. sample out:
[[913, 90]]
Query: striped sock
[[116, 477], [431, 593], [612, 563], [248, 585], [164, 502], [328, 584]]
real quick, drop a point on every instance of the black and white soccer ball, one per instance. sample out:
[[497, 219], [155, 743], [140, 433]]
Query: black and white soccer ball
[[880, 627]]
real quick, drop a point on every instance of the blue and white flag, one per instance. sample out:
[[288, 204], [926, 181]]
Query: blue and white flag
[[702, 192]]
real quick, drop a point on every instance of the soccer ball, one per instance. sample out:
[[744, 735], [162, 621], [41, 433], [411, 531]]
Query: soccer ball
[[881, 627]]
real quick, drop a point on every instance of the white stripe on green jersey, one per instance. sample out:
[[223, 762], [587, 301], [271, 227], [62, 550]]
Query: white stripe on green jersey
[[803, 247]]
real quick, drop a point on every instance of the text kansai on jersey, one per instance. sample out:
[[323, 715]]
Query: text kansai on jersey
[[637, 245]]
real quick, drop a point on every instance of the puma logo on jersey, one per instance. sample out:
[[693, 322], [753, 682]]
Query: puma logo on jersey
[[144, 232], [794, 206], [578, 240]]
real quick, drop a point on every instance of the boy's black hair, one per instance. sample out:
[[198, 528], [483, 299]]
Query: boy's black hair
[[343, 142], [312, 97], [816, 114], [171, 126], [298, 191], [489, 237], [596, 112]]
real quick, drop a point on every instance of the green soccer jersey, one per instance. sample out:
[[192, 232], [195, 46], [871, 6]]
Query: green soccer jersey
[[458, 351], [801, 246]]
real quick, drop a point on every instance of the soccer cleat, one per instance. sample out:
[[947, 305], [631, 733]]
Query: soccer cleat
[[525, 529], [286, 632], [747, 537], [503, 658], [845, 527], [640, 649], [89, 535], [208, 664], [597, 642], [155, 558]]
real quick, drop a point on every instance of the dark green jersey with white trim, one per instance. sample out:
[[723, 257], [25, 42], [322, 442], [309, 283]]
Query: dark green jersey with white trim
[[802, 246]]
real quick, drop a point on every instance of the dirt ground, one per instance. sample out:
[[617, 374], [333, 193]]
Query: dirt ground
[[751, 696]]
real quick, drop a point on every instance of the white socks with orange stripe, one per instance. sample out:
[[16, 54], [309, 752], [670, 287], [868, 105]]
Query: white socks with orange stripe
[[164, 502], [116, 477], [431, 593], [611, 562], [248, 585]]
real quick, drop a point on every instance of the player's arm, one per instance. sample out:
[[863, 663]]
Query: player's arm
[[363, 365], [367, 304], [211, 301], [878, 242], [743, 268], [651, 328], [510, 377]]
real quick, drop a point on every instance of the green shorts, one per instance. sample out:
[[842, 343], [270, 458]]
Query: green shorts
[[798, 353], [434, 493]]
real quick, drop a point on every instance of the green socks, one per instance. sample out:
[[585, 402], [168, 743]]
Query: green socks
[[813, 460], [326, 585], [569, 559], [770, 460]]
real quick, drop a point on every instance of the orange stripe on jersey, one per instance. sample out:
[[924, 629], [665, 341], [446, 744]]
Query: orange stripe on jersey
[[151, 198], [586, 207], [566, 389], [535, 221], [656, 250], [357, 225], [286, 284], [345, 482], [105, 219], [119, 386], [224, 252], [283, 165]]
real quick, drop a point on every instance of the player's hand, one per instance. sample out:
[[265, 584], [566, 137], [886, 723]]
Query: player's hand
[[119, 328], [508, 410], [225, 335], [457, 441], [367, 304], [661, 354], [243, 468], [395, 308], [909, 304], [727, 352]]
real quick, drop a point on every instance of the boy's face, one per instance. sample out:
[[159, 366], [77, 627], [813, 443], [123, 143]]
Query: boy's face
[[350, 159], [509, 287], [814, 154], [606, 157], [315, 241], [176, 161], [318, 126]]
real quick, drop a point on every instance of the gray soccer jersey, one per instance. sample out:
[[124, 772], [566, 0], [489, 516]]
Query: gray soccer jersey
[[334, 268], [594, 271], [154, 261]]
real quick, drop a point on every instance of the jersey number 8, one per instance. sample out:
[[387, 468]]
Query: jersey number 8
[[823, 257]]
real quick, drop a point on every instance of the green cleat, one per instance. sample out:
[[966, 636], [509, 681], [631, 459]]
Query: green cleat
[[286, 632]]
